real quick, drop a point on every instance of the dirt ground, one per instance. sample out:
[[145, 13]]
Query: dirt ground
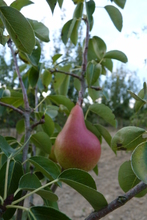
[[77, 208]]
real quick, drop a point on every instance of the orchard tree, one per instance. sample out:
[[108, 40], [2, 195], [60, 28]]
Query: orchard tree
[[47, 155]]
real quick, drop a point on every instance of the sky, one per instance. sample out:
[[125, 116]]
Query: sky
[[132, 40]]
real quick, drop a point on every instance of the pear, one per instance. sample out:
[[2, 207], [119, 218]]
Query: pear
[[75, 145]]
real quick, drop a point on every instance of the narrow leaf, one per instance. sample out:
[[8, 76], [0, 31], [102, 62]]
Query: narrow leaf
[[90, 8], [115, 16], [33, 76]]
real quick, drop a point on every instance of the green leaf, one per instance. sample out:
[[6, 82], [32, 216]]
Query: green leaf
[[117, 55], [139, 161], [16, 99], [61, 100], [58, 80], [93, 129], [139, 99], [20, 4], [127, 178], [42, 141], [115, 16], [4, 146], [78, 10], [74, 33], [77, 1], [30, 182], [46, 78], [60, 2], [76, 179], [34, 57], [33, 76], [104, 112], [46, 166], [52, 110], [93, 72], [63, 90], [52, 4], [65, 34], [20, 126], [2, 3], [48, 126], [14, 173], [41, 31], [94, 94], [90, 8], [120, 3], [18, 28], [105, 133], [56, 57], [108, 64], [127, 138], [99, 47], [42, 212], [91, 55]]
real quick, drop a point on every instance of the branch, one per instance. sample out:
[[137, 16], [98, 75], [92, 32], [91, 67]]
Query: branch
[[25, 97], [12, 107], [41, 121], [120, 201], [96, 88], [84, 64], [67, 73]]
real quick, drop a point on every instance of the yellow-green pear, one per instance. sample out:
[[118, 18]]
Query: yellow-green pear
[[75, 145]]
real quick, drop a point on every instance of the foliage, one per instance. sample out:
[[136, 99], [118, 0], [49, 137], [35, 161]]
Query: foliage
[[25, 167], [115, 89]]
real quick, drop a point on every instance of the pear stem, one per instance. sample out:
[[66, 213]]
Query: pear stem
[[84, 65]]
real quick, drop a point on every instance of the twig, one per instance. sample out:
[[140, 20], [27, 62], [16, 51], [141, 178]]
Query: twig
[[66, 73], [12, 107], [120, 201], [84, 64], [96, 88], [41, 121]]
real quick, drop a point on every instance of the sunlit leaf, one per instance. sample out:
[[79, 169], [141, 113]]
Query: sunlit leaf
[[18, 28], [99, 47], [115, 16]]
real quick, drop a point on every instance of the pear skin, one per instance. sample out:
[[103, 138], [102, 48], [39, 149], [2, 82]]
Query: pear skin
[[75, 145]]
